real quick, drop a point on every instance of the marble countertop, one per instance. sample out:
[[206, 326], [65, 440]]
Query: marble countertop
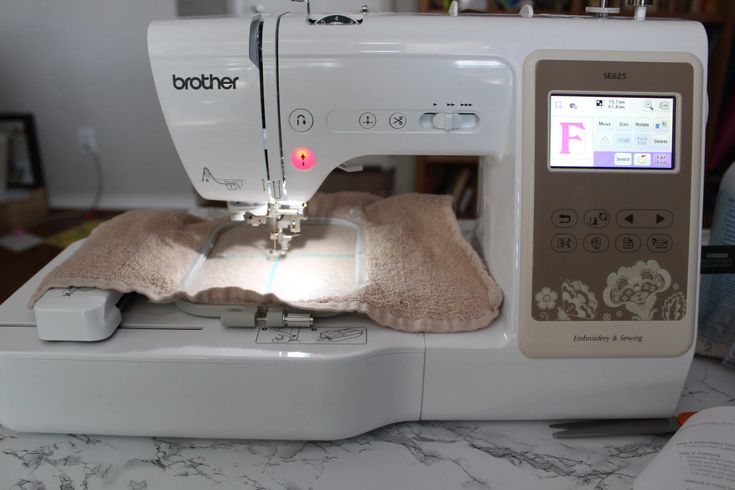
[[428, 455]]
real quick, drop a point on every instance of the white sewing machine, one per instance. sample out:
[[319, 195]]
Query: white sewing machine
[[590, 131]]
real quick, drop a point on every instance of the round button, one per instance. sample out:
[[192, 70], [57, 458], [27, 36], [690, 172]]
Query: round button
[[661, 218], [367, 120], [397, 120], [563, 242], [627, 243], [564, 218], [303, 158], [659, 243], [596, 218], [301, 120], [596, 243]]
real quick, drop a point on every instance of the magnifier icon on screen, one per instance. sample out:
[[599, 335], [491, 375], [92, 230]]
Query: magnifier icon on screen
[[648, 105]]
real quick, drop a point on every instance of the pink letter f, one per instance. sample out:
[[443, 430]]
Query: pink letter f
[[565, 135]]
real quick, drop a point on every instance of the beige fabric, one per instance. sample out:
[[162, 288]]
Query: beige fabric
[[420, 273]]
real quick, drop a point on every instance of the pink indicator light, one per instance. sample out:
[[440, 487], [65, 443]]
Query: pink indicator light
[[303, 158]]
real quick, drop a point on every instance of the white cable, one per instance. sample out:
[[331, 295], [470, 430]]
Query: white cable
[[96, 161]]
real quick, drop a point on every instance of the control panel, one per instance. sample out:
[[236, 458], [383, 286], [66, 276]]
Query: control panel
[[615, 209], [375, 120]]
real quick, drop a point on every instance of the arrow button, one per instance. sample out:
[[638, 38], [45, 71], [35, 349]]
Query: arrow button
[[631, 218], [663, 218], [645, 218]]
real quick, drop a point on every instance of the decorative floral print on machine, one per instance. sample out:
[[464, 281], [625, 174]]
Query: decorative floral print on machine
[[577, 301], [546, 299], [636, 290], [675, 307]]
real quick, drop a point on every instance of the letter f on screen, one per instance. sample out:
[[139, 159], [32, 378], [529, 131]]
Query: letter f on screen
[[567, 136]]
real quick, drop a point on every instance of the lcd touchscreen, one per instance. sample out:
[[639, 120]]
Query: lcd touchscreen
[[611, 132]]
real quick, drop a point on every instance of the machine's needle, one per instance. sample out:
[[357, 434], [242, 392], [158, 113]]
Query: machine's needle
[[274, 236]]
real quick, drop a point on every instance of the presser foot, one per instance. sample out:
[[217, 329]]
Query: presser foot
[[285, 224]]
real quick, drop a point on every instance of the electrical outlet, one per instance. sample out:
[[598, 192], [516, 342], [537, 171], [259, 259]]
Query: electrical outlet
[[87, 139]]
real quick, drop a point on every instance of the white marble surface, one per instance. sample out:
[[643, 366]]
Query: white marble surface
[[436, 455]]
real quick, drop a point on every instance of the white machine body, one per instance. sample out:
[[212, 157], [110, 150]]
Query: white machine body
[[262, 109]]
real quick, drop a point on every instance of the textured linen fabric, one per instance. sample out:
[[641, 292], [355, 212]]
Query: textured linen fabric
[[420, 274]]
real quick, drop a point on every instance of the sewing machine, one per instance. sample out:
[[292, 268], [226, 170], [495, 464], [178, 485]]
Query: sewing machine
[[590, 132]]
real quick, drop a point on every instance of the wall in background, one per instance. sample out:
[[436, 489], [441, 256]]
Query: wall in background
[[84, 63]]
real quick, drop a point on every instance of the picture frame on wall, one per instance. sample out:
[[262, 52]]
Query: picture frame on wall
[[22, 156]]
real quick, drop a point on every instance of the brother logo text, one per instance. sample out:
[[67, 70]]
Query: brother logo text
[[204, 82]]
